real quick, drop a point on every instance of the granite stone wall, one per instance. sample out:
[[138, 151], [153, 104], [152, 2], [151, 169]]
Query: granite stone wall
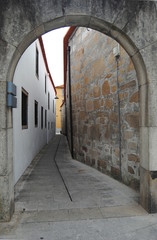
[[95, 108]]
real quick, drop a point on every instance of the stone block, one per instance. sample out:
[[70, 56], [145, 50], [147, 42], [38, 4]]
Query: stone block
[[96, 104], [140, 68], [106, 8], [94, 132], [6, 197], [152, 104], [115, 172], [111, 60], [101, 164], [3, 152], [16, 24], [148, 186], [128, 134], [82, 115], [74, 20], [114, 89], [105, 88], [7, 51], [123, 96], [134, 97], [152, 148], [113, 117], [128, 85], [149, 54], [98, 67], [145, 17], [86, 80], [144, 147], [133, 120], [109, 103], [89, 106], [9, 150], [132, 146], [108, 75], [84, 148], [3, 111], [97, 92], [100, 25], [108, 131], [130, 67], [128, 12], [133, 157], [124, 41], [131, 170], [143, 121]]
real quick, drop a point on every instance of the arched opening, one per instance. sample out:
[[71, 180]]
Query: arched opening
[[96, 24]]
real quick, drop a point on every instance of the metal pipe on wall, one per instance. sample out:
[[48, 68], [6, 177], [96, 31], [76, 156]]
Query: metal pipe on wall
[[119, 121], [70, 100]]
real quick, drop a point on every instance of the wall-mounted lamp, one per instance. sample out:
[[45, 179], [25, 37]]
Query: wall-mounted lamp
[[56, 97], [116, 51]]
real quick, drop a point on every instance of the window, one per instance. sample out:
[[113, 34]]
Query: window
[[24, 109], [37, 63], [48, 100], [41, 117], [45, 84], [35, 113], [45, 118]]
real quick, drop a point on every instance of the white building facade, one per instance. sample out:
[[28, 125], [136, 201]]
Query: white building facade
[[34, 119]]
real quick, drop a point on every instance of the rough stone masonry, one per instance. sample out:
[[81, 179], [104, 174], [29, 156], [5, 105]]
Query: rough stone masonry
[[95, 109]]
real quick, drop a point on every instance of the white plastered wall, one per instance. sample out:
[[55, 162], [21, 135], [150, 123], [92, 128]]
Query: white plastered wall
[[28, 142]]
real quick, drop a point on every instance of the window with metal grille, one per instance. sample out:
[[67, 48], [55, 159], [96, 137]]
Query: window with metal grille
[[41, 117], [45, 83], [48, 100], [24, 109], [36, 113], [45, 118], [37, 63]]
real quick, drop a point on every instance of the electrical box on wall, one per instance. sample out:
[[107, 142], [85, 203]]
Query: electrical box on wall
[[11, 101], [11, 93], [116, 51]]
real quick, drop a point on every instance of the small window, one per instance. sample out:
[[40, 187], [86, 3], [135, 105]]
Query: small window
[[45, 118], [37, 63], [45, 84], [41, 117], [24, 109], [48, 100], [36, 114]]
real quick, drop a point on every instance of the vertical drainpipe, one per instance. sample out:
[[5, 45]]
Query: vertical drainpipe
[[119, 122], [65, 118], [70, 101]]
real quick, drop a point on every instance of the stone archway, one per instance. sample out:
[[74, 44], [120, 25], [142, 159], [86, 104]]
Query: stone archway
[[23, 22]]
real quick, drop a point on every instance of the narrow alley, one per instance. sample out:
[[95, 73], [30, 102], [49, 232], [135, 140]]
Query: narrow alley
[[60, 198]]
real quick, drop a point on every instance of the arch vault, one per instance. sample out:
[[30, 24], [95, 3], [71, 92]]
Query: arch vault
[[132, 23]]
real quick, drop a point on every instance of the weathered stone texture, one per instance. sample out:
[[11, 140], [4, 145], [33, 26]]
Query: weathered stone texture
[[95, 111]]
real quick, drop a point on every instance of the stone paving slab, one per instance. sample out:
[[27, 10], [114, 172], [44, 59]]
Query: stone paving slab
[[101, 207]]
